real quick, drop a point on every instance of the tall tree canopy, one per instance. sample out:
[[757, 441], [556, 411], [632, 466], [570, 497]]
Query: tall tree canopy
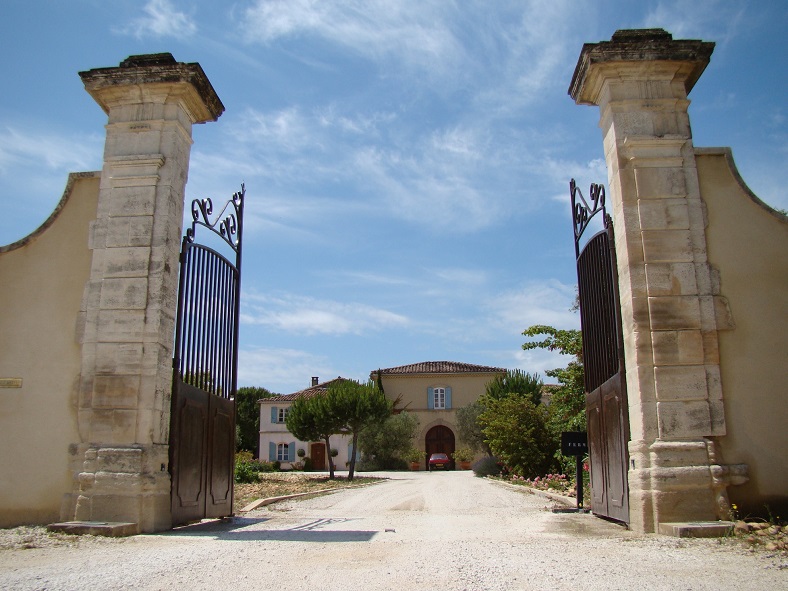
[[385, 445], [312, 419], [468, 427], [247, 417], [518, 383], [567, 411], [517, 433], [355, 406]]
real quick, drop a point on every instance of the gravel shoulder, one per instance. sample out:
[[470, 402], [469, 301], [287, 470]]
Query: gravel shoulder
[[415, 531]]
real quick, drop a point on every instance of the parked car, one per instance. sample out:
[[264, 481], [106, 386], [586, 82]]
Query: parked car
[[438, 461]]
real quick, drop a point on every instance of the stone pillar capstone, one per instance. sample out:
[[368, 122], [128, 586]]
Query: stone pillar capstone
[[120, 464], [671, 308]]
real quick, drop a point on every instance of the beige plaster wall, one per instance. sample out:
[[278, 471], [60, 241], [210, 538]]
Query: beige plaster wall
[[466, 389], [42, 278], [748, 243]]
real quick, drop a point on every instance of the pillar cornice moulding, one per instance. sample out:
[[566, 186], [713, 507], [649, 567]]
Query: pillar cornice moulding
[[156, 78], [648, 54]]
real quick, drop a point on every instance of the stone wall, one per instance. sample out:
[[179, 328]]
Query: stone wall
[[674, 305], [91, 314]]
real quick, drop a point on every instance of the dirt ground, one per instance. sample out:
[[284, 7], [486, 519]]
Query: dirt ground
[[277, 484], [416, 531]]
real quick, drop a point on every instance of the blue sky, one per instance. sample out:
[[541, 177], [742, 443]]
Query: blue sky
[[406, 163]]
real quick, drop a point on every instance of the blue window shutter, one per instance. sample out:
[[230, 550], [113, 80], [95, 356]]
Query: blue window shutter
[[272, 452], [291, 452], [349, 451], [430, 398], [274, 414], [448, 396]]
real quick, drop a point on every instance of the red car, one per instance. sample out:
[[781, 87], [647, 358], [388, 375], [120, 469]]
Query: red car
[[438, 461]]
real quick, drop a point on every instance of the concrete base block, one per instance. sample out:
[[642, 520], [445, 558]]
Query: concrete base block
[[110, 529], [697, 529]]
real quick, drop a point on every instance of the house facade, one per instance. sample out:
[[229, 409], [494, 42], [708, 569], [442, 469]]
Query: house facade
[[278, 444], [430, 390], [433, 391]]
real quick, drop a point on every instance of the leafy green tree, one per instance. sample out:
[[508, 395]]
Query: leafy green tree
[[355, 406], [384, 446], [247, 417], [517, 433], [515, 382], [311, 419], [567, 403], [468, 427]]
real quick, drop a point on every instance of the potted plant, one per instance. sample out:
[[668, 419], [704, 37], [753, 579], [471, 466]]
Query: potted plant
[[463, 456], [301, 452], [413, 456]]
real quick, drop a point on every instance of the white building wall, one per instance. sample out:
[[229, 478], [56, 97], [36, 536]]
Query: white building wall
[[277, 433]]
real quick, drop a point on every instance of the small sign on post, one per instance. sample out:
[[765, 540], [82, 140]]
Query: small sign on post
[[575, 443]]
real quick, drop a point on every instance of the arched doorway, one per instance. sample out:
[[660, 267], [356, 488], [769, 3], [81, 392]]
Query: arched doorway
[[440, 439]]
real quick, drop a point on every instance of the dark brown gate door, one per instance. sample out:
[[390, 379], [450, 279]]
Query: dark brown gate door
[[205, 362], [440, 439], [603, 359]]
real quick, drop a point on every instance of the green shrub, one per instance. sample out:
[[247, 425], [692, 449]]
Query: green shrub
[[308, 464], [487, 466], [243, 456], [517, 432], [247, 471]]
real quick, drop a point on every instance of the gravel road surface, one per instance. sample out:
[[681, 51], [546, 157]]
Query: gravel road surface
[[436, 531]]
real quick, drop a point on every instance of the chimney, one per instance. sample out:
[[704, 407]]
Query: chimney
[[315, 380]]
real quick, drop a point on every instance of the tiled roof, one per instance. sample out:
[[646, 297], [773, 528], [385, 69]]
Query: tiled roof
[[306, 393], [439, 367]]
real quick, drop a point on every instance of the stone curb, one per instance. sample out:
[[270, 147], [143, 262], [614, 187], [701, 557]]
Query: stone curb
[[271, 500], [568, 501]]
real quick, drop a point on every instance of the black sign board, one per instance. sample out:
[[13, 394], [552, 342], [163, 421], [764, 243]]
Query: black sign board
[[574, 443]]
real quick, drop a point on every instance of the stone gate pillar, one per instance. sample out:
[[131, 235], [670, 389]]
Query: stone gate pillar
[[670, 304], [120, 464]]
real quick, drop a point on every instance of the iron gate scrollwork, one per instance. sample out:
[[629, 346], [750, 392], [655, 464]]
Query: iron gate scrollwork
[[205, 364], [607, 413]]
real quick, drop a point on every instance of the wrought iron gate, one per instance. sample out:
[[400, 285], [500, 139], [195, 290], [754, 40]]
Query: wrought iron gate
[[607, 414], [205, 364]]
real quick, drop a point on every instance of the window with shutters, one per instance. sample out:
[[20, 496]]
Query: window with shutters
[[282, 415], [439, 398], [282, 452]]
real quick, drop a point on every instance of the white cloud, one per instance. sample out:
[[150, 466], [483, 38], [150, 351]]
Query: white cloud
[[412, 34], [161, 19], [538, 361], [715, 20], [535, 303], [309, 316], [283, 371], [60, 153]]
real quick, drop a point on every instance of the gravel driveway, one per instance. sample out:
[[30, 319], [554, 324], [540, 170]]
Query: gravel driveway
[[436, 531]]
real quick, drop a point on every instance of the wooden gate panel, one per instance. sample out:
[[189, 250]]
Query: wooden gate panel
[[188, 446], [603, 358], [221, 434], [595, 451], [205, 366], [616, 448]]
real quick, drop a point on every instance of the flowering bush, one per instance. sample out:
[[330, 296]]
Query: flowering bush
[[556, 482]]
